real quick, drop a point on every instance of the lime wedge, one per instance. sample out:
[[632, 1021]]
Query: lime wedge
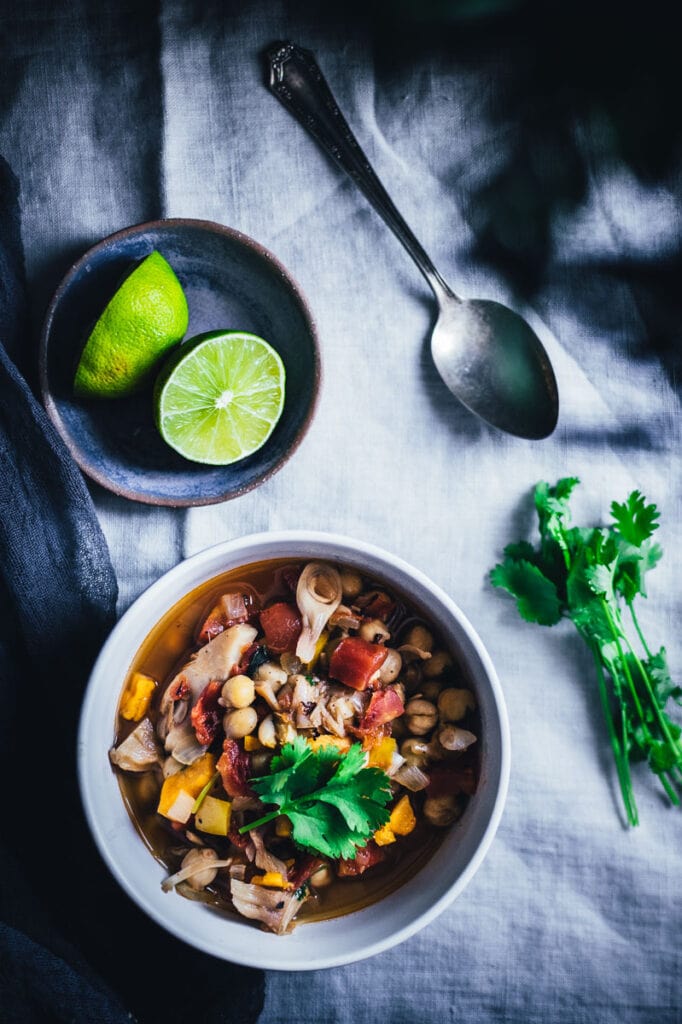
[[145, 317], [220, 396]]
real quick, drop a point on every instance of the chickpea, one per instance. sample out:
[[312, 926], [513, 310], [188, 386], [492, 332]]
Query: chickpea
[[390, 669], [238, 692], [290, 663], [415, 751], [453, 704], [240, 723], [266, 732], [269, 672], [420, 716], [351, 584], [421, 637], [374, 631], [431, 690], [437, 664], [321, 877], [441, 810]]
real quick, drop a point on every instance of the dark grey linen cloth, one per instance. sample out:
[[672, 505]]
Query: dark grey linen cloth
[[72, 946], [535, 150]]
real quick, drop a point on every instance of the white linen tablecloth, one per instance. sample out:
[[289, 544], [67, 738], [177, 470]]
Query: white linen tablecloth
[[117, 114]]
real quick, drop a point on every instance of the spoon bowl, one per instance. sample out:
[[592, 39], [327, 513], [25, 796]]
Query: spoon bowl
[[488, 356], [492, 360]]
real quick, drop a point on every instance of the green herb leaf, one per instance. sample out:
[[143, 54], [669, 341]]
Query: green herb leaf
[[335, 804], [633, 563], [536, 596], [636, 521], [587, 574], [664, 687], [553, 510]]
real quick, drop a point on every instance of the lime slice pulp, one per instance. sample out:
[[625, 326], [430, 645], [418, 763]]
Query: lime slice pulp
[[220, 396]]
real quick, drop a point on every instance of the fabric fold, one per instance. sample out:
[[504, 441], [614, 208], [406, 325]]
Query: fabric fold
[[72, 946]]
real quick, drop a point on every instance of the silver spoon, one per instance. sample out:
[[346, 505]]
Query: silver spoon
[[488, 356]]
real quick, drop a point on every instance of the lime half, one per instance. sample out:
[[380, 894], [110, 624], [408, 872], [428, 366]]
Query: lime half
[[145, 317], [220, 396]]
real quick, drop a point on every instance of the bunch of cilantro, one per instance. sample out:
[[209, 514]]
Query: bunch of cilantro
[[334, 803], [592, 576]]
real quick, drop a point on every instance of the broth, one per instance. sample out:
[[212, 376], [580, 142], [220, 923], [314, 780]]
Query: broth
[[168, 647]]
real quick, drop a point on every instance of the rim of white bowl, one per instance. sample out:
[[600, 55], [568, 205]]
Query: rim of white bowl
[[113, 829]]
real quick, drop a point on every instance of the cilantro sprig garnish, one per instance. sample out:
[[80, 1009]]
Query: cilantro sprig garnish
[[334, 803], [592, 576]]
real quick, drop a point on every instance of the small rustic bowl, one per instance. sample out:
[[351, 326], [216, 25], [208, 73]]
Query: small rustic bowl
[[231, 282], [320, 944]]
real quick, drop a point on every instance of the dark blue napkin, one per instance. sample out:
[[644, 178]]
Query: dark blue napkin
[[72, 945]]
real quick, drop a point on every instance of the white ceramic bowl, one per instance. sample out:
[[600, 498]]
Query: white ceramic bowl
[[319, 944]]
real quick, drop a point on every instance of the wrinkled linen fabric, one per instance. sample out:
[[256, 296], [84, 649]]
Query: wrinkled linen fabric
[[538, 162], [72, 946]]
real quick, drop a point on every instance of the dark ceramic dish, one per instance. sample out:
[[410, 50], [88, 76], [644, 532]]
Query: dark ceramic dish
[[231, 282]]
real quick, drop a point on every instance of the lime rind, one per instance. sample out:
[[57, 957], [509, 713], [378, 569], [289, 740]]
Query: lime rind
[[145, 317], [220, 397]]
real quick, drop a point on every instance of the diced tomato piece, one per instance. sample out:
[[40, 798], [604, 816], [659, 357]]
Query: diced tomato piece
[[241, 842], [180, 690], [229, 610], [207, 714], [281, 624], [365, 858], [234, 767], [380, 607], [242, 668], [450, 781], [384, 706], [291, 575], [301, 870], [355, 661]]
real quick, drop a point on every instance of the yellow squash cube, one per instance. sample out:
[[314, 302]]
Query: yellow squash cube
[[402, 819], [381, 754], [214, 816], [342, 743], [190, 780], [271, 879], [137, 697]]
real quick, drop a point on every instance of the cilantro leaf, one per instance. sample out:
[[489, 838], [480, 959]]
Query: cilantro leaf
[[536, 596], [357, 803], [553, 509], [633, 563], [591, 575], [323, 832], [334, 803], [664, 687], [636, 521]]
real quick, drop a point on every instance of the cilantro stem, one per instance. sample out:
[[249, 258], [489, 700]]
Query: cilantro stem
[[635, 622], [292, 805], [672, 742], [619, 754], [672, 795], [260, 821], [618, 632], [590, 575]]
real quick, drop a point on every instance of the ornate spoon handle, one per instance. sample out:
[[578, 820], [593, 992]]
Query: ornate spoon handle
[[297, 81]]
